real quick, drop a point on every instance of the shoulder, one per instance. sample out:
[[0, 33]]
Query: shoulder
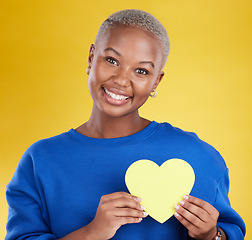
[[191, 144], [167, 128], [56, 141], [39, 157], [45, 149]]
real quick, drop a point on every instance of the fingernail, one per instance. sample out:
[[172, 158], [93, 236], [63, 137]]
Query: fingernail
[[145, 214], [142, 207], [140, 219], [139, 199], [182, 202], [176, 214], [176, 206], [186, 197]]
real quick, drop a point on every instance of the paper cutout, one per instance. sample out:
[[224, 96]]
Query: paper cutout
[[161, 188]]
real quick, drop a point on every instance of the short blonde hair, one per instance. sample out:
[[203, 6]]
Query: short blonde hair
[[140, 19]]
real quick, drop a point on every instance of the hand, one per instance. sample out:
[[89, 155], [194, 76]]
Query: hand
[[198, 216], [115, 210]]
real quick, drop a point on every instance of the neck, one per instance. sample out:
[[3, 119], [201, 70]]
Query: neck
[[102, 126]]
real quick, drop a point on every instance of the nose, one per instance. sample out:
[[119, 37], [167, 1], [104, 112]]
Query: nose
[[122, 78]]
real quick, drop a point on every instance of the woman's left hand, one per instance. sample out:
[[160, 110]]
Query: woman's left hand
[[198, 216]]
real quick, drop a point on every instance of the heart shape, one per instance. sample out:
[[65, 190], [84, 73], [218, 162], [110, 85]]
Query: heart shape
[[161, 188]]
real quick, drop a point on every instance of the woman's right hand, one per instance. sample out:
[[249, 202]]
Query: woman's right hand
[[115, 210]]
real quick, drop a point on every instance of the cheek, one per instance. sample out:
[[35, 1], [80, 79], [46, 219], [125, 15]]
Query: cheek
[[99, 73], [143, 88]]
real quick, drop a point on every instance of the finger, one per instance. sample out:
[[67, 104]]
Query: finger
[[188, 216], [191, 227], [202, 204], [117, 195], [128, 220], [125, 202], [196, 210], [128, 212]]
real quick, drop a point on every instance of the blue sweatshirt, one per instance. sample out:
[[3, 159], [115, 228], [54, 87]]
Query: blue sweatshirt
[[59, 181]]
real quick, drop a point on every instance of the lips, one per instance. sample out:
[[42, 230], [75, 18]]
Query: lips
[[115, 97]]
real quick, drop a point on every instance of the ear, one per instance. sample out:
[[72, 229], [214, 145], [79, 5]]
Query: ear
[[91, 54], [159, 78]]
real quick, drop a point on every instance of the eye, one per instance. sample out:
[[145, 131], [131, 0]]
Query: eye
[[142, 71], [112, 61]]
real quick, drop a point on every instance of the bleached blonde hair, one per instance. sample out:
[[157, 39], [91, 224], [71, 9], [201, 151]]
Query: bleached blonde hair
[[140, 19]]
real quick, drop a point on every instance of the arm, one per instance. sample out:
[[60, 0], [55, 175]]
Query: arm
[[26, 218], [114, 210], [229, 220], [29, 218]]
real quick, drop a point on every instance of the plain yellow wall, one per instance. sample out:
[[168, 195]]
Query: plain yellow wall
[[207, 87]]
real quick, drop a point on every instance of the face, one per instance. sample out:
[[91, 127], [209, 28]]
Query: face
[[125, 67]]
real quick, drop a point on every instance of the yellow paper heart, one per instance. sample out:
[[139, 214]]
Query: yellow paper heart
[[161, 188]]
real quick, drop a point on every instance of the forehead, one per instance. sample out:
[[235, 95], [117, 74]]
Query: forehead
[[131, 41]]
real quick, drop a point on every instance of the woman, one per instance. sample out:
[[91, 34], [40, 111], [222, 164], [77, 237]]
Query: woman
[[71, 186]]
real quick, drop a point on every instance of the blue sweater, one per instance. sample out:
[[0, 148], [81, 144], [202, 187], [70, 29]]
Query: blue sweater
[[58, 183]]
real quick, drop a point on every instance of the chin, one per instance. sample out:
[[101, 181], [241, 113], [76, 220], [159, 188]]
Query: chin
[[119, 113]]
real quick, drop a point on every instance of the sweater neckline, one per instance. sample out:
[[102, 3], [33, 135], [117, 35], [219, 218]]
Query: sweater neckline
[[136, 137]]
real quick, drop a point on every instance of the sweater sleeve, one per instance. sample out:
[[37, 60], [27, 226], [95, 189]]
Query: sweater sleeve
[[229, 220], [27, 214]]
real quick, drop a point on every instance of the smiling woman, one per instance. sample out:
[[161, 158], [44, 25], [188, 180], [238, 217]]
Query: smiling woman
[[79, 175], [125, 66]]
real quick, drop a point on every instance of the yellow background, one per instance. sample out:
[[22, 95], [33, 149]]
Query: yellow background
[[206, 89]]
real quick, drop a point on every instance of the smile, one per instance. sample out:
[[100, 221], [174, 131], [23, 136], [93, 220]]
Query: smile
[[115, 96]]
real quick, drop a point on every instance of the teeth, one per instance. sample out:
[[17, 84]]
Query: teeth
[[115, 96]]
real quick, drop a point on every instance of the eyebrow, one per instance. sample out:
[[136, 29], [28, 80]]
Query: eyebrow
[[117, 53], [112, 49], [151, 63]]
